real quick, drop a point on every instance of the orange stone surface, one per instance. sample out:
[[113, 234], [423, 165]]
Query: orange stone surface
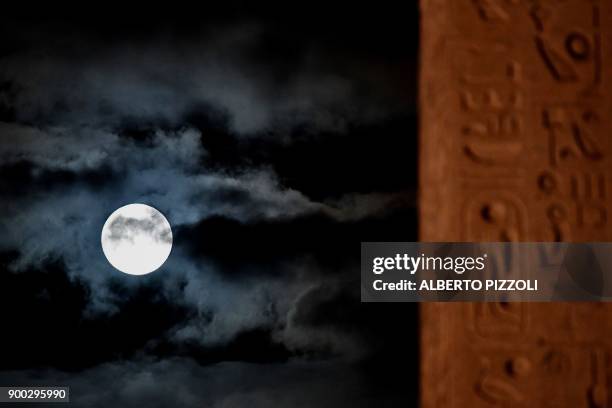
[[515, 145]]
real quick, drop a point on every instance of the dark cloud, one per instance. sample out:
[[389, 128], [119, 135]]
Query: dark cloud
[[182, 383], [275, 242], [161, 83], [320, 321]]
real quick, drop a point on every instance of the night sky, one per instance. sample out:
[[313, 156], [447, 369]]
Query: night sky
[[275, 138]]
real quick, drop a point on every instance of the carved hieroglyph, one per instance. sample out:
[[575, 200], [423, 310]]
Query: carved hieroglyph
[[516, 130]]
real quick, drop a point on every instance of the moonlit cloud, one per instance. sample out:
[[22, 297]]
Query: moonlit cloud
[[64, 222]]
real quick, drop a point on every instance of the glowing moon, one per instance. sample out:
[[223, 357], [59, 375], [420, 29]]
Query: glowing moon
[[136, 239]]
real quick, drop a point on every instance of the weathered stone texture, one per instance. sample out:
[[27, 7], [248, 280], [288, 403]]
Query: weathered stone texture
[[516, 126]]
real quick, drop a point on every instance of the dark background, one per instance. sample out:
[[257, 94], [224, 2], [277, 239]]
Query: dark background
[[276, 137]]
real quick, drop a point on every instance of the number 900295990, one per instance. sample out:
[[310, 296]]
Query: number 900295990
[[34, 393]]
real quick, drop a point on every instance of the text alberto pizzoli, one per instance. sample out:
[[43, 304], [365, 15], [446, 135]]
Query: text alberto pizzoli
[[459, 265]]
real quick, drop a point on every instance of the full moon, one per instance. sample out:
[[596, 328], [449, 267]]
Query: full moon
[[136, 239]]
